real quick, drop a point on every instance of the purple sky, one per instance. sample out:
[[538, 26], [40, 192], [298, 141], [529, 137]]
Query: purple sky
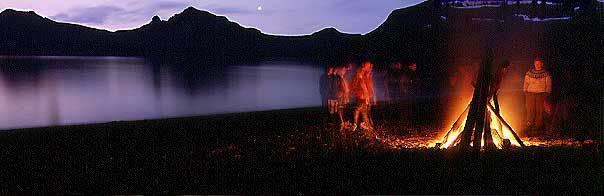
[[283, 17]]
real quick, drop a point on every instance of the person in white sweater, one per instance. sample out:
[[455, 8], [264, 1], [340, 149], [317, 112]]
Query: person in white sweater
[[537, 86]]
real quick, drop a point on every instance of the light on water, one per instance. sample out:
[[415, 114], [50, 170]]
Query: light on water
[[43, 91]]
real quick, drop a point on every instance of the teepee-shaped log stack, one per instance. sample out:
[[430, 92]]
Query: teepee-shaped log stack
[[480, 124]]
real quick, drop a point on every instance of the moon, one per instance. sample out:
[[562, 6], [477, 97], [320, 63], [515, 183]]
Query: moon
[[259, 8]]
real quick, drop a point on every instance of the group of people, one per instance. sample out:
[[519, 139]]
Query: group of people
[[400, 83], [337, 90]]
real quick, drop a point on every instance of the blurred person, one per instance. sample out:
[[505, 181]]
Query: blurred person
[[332, 102], [453, 81], [337, 100], [496, 79], [324, 85], [410, 83], [537, 86], [342, 92], [410, 92], [343, 98], [349, 67], [392, 82], [362, 88]]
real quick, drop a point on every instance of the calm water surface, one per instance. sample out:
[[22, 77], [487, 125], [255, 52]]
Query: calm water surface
[[43, 91]]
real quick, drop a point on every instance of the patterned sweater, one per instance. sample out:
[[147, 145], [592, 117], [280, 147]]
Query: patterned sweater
[[537, 81]]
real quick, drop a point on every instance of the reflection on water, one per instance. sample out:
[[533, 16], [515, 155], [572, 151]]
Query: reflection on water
[[42, 91]]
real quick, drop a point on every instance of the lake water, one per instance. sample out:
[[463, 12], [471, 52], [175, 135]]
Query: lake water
[[43, 91]]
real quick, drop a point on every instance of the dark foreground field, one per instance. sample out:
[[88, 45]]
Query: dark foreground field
[[283, 151]]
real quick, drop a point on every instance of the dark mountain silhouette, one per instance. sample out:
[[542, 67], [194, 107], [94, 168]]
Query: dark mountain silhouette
[[416, 33], [190, 33], [27, 33], [409, 34], [200, 34]]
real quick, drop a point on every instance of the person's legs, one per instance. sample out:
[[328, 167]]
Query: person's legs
[[332, 106], [356, 117], [324, 100], [343, 133], [530, 110], [341, 115], [539, 109], [340, 111], [357, 111], [365, 112]]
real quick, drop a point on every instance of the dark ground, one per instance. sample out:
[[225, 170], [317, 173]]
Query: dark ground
[[282, 151]]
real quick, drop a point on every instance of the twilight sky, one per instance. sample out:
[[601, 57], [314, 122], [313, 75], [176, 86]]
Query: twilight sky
[[283, 17]]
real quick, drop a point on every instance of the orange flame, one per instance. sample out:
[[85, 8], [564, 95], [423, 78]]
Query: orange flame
[[500, 130]]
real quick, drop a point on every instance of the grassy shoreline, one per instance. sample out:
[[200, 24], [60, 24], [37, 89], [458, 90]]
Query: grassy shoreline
[[280, 151]]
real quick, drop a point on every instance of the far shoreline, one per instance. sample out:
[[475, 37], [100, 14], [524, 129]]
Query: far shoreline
[[173, 118]]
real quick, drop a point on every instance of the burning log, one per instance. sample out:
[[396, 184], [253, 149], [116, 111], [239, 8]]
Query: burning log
[[507, 125], [476, 117]]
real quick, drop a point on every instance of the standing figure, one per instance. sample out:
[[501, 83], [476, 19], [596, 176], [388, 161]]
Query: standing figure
[[324, 85], [537, 86], [410, 83], [332, 99], [362, 87], [342, 92], [392, 82], [410, 92], [496, 80]]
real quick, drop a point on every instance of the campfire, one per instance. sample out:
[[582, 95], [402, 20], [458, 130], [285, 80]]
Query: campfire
[[481, 124], [496, 132]]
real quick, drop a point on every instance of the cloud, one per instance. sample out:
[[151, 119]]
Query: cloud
[[168, 4], [144, 12], [129, 15], [277, 16], [90, 15], [232, 10]]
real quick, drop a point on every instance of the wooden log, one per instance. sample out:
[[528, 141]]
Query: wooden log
[[457, 124], [496, 102], [466, 134], [480, 124], [484, 87], [477, 109], [508, 126], [487, 136]]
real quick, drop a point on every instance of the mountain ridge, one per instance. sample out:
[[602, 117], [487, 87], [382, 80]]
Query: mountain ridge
[[414, 33]]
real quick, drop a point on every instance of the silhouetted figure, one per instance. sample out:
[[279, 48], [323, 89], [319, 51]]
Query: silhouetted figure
[[410, 82], [332, 91], [453, 83], [338, 99], [496, 80], [323, 86], [393, 82], [410, 92], [362, 88], [537, 86], [342, 92]]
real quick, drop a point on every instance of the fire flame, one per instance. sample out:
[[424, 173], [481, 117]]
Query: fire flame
[[500, 130]]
